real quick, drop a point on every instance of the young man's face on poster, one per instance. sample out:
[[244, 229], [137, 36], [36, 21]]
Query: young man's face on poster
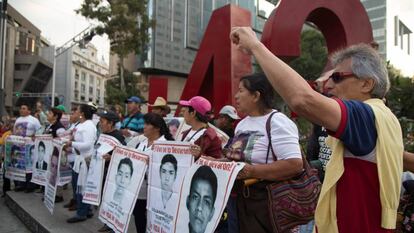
[[167, 175], [123, 176], [200, 205]]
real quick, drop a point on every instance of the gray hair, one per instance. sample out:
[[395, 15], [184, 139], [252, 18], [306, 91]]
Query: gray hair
[[366, 64]]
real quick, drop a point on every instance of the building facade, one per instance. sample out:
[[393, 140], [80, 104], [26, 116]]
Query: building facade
[[28, 62], [81, 77], [180, 26], [392, 26]]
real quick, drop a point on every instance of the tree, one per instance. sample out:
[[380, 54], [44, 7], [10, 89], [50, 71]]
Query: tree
[[314, 55], [126, 23], [114, 95]]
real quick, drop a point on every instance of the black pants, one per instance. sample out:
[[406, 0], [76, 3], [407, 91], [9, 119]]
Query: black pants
[[6, 183], [140, 215]]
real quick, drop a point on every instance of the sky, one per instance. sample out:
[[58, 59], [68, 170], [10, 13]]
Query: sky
[[58, 21]]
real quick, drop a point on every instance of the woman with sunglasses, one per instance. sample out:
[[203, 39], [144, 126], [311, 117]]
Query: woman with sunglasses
[[365, 136]]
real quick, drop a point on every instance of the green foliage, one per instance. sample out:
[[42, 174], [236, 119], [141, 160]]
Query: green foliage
[[114, 95], [126, 23], [313, 56]]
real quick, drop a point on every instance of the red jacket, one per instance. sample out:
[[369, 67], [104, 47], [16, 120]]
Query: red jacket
[[209, 142]]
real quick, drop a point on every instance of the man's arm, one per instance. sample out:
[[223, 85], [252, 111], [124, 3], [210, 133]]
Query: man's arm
[[294, 90]]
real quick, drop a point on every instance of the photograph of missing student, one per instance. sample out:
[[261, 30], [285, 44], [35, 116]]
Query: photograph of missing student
[[53, 175], [124, 179], [168, 166], [17, 157], [43, 147], [54, 166], [204, 194]]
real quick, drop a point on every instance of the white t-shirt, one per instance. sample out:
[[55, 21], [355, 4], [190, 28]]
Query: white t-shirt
[[26, 126], [84, 136], [251, 136], [194, 135]]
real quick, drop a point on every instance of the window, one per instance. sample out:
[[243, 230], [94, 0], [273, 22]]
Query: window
[[76, 74], [90, 90], [82, 97], [98, 82], [83, 88], [91, 80], [76, 85], [83, 77]]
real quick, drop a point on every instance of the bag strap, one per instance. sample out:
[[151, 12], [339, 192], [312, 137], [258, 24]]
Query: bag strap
[[306, 165], [269, 137]]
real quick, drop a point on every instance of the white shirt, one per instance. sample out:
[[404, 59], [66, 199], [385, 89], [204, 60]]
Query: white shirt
[[284, 135], [84, 138], [141, 143], [194, 135], [26, 126]]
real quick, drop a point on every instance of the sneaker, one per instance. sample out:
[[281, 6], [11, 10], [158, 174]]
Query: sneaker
[[105, 228], [76, 219]]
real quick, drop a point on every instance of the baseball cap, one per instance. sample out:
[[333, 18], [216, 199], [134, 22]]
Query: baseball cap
[[230, 111], [199, 103], [159, 102], [61, 108], [109, 115], [135, 99]]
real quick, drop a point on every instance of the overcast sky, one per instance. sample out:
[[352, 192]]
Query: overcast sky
[[58, 21]]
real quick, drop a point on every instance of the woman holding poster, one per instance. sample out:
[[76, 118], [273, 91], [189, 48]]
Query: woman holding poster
[[205, 139], [82, 145], [251, 145], [155, 129]]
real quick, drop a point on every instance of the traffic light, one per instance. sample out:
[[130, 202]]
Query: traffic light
[[18, 94]]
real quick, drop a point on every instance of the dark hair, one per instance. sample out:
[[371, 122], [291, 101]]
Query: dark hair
[[169, 158], [87, 110], [42, 144], [198, 115], [27, 106], [205, 173], [127, 161], [158, 122], [57, 112], [258, 82], [55, 152]]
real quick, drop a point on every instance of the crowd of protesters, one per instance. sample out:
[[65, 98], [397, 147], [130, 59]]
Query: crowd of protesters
[[356, 143]]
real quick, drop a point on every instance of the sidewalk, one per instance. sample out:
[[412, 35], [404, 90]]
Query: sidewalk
[[29, 208], [9, 222]]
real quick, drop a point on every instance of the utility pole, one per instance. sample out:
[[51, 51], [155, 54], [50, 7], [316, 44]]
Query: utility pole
[[82, 39], [3, 27]]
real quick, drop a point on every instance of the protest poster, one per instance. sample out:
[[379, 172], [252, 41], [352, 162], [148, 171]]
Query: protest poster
[[65, 120], [125, 176], [53, 175], [93, 188], [177, 126], [168, 165], [43, 147], [204, 194], [65, 170], [18, 159]]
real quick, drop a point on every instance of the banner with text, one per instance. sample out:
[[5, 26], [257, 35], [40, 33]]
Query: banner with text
[[53, 175], [93, 189], [18, 157], [42, 152], [169, 163], [204, 194], [125, 176]]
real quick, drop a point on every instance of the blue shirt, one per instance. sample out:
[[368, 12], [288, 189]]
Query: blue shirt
[[134, 123]]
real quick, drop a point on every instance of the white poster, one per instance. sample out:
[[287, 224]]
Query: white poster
[[204, 194], [53, 175], [93, 188], [65, 170], [18, 157], [42, 151], [125, 175], [224, 138], [168, 165], [177, 126]]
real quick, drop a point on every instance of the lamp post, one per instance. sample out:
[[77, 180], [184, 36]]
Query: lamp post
[[3, 27], [82, 39]]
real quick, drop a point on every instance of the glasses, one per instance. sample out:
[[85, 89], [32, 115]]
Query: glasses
[[337, 77]]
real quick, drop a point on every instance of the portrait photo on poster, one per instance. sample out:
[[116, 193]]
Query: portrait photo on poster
[[54, 166]]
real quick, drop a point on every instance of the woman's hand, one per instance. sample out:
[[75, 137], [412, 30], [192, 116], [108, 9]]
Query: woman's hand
[[246, 172], [195, 151], [106, 156]]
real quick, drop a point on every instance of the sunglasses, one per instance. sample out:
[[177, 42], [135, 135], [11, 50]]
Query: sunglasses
[[337, 77]]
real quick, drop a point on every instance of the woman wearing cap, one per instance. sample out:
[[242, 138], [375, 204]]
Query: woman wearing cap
[[82, 145], [206, 141], [251, 145], [107, 122], [155, 129]]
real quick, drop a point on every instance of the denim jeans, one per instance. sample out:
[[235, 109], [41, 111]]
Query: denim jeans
[[308, 228], [74, 181], [83, 209]]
